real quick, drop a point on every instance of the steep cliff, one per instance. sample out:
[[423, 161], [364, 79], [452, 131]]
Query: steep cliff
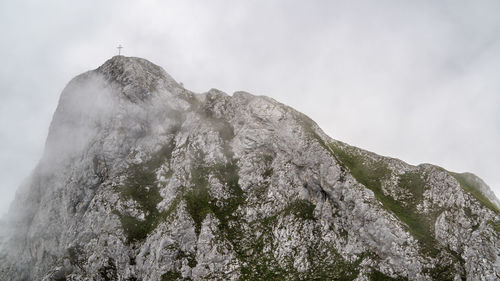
[[142, 179]]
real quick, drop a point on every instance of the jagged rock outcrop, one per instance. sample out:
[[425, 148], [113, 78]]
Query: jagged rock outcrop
[[142, 179]]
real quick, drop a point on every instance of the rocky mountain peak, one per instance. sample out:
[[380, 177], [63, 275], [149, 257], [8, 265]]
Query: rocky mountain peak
[[121, 97], [132, 69], [138, 77], [145, 180]]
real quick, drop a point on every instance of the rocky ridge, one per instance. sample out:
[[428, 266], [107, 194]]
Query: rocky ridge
[[142, 179]]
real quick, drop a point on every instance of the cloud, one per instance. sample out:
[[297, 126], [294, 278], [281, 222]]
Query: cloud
[[414, 80]]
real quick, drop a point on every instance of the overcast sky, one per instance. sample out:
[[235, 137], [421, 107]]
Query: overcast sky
[[415, 80]]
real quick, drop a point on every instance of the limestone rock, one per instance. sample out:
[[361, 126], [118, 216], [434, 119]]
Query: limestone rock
[[142, 179]]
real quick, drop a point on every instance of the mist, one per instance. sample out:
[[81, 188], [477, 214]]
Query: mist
[[411, 80]]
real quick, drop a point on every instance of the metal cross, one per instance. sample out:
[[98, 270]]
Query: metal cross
[[119, 49]]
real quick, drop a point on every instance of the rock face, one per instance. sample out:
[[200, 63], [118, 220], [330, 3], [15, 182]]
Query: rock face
[[144, 180]]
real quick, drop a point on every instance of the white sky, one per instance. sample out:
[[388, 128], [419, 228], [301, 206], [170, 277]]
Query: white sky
[[415, 80]]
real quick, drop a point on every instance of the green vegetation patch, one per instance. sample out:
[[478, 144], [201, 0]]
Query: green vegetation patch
[[267, 160], [413, 182], [376, 275], [301, 209], [470, 186], [268, 172], [172, 275], [259, 263], [108, 272], [141, 186], [199, 201], [256, 252], [328, 264], [370, 173], [442, 272], [495, 225], [190, 257], [365, 171], [76, 256]]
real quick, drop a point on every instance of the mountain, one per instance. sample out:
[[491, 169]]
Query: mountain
[[142, 179]]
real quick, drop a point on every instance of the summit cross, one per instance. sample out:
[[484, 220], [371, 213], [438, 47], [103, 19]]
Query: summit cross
[[119, 49]]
